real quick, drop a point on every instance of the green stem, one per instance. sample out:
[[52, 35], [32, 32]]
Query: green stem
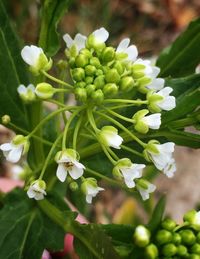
[[137, 102], [120, 116], [57, 80], [131, 150], [49, 156], [73, 115], [123, 128], [91, 120], [76, 130], [108, 155]]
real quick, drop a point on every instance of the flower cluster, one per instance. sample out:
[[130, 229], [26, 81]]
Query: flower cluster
[[171, 240], [106, 82]]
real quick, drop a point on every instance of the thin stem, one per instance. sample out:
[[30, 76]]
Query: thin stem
[[120, 116], [67, 126], [57, 80], [123, 128], [76, 130], [51, 115], [108, 155], [56, 102], [137, 102], [49, 156], [112, 153], [91, 120], [131, 150]]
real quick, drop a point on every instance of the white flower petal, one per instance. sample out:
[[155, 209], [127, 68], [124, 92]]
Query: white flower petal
[[89, 198], [132, 52], [166, 147], [168, 103], [39, 196], [101, 35], [156, 84], [75, 172], [30, 192], [30, 54], [21, 89], [15, 154], [123, 45], [165, 91], [170, 168], [79, 41], [31, 87], [153, 120], [68, 40], [6, 147], [61, 172]]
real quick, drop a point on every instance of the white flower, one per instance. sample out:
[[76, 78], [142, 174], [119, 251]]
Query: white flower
[[156, 84], [37, 190], [145, 190], [16, 172], [15, 149], [35, 58], [67, 163], [78, 42], [170, 168], [100, 35], [26, 93], [163, 156], [164, 101], [90, 188], [153, 121], [109, 137], [130, 173], [193, 218], [131, 51]]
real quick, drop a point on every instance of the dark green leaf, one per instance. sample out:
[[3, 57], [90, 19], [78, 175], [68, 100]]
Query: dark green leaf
[[12, 72], [157, 215], [98, 243], [25, 230], [51, 13], [182, 57]]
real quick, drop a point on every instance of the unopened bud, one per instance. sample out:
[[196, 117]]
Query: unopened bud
[[94, 61], [78, 74], [182, 250], [169, 224], [86, 52], [81, 60], [89, 80], [112, 76], [119, 66], [73, 186], [80, 85], [108, 54], [62, 64], [144, 81], [110, 89], [44, 91], [176, 239], [90, 89], [195, 249], [5, 119], [141, 236], [163, 236], [151, 251], [126, 83], [90, 70], [169, 250], [98, 96], [81, 94], [99, 82], [188, 237]]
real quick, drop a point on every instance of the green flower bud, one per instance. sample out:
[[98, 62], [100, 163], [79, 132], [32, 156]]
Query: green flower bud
[[198, 238], [80, 85], [73, 186], [21, 140], [5, 119], [193, 217], [119, 66], [194, 256], [90, 70], [90, 89], [44, 90], [81, 94], [152, 101], [169, 250], [195, 249], [99, 72], [124, 162], [99, 82], [126, 83], [169, 224], [163, 236], [141, 236], [138, 74], [89, 80], [112, 76], [86, 53], [62, 64], [176, 239], [188, 237], [72, 62], [151, 251], [116, 173], [92, 43], [78, 74], [140, 126], [182, 250], [81, 60], [110, 89], [98, 96], [94, 61], [108, 54], [144, 81]]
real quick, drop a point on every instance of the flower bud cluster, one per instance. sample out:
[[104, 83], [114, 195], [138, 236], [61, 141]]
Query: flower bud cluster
[[171, 240]]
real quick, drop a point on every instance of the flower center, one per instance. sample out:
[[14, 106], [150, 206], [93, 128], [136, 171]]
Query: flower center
[[68, 165]]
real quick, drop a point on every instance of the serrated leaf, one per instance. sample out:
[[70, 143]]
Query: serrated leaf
[[99, 244], [51, 13], [157, 214], [25, 230], [182, 57], [12, 72]]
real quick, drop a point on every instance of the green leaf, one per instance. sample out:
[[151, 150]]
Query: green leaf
[[98, 243], [12, 73], [25, 230], [182, 57], [51, 13], [157, 215]]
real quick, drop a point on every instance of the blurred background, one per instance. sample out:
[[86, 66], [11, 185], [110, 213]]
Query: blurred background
[[151, 25]]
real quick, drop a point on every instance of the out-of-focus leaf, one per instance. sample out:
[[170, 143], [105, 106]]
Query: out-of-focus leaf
[[157, 215], [12, 72], [51, 13], [182, 57]]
